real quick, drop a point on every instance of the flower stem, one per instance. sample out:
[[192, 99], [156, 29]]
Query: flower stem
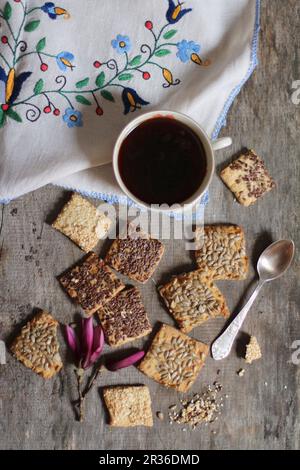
[[79, 372], [79, 376]]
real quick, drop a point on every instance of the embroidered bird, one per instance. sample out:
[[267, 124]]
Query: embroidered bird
[[10, 86], [176, 12]]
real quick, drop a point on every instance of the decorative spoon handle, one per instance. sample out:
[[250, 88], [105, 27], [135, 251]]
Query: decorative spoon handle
[[222, 346]]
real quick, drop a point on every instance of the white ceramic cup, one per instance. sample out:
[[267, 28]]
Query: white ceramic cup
[[209, 146]]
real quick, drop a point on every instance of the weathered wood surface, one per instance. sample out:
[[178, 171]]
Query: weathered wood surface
[[262, 410]]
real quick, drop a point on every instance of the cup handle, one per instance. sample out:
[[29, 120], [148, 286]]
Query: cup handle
[[221, 143]]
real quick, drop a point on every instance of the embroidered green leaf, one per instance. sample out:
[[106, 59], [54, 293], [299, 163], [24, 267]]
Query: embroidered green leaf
[[135, 61], [38, 86], [125, 76], [13, 115], [107, 95], [32, 25], [2, 118], [170, 34], [7, 11], [41, 45], [162, 52], [82, 83], [100, 79], [82, 100]]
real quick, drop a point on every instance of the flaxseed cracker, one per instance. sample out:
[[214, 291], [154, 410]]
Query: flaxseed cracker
[[222, 251], [174, 359], [91, 283], [248, 178], [82, 222], [37, 346], [192, 298], [124, 318], [136, 256], [128, 405]]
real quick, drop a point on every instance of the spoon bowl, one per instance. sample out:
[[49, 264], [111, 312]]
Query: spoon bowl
[[275, 260]]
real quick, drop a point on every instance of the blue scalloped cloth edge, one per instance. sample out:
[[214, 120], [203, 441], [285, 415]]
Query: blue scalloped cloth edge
[[221, 122]]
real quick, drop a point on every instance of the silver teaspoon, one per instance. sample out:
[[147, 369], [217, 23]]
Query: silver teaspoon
[[272, 263]]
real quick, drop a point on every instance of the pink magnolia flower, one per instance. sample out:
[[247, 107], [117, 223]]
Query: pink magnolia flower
[[88, 348]]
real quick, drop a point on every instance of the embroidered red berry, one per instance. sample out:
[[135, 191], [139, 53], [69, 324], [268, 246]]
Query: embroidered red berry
[[56, 112], [47, 109], [44, 67], [17, 1], [99, 111], [4, 39], [149, 25], [97, 64], [146, 75], [5, 107]]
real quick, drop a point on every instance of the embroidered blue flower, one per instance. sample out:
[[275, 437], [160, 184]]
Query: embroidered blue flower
[[132, 100], [64, 60], [186, 49], [176, 12], [73, 118], [122, 44], [53, 12]]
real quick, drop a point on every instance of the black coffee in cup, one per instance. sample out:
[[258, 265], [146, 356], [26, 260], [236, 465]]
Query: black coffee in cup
[[162, 161]]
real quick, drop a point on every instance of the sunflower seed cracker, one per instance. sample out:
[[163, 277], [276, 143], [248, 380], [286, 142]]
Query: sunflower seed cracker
[[221, 251], [192, 298], [37, 347], [174, 359]]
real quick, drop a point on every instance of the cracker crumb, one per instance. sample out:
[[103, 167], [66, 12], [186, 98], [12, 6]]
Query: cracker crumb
[[202, 408], [241, 372], [253, 351], [160, 415]]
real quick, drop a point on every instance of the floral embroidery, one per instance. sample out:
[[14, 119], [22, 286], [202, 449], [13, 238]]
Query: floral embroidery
[[73, 118], [53, 12], [186, 49], [146, 63], [132, 100], [176, 12], [64, 61], [122, 44]]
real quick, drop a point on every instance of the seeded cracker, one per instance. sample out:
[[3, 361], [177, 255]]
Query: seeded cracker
[[91, 283], [129, 406], [37, 347], [137, 256], [174, 359], [222, 251], [253, 351], [124, 318], [82, 223], [192, 299], [248, 178]]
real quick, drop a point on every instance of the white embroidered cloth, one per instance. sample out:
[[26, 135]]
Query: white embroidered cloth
[[73, 73]]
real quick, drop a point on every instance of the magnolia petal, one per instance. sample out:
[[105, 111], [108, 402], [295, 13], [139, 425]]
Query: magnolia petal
[[126, 362], [87, 340], [72, 339], [98, 344]]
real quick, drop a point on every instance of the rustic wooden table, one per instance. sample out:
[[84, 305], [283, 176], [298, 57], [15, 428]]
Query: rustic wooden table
[[262, 409]]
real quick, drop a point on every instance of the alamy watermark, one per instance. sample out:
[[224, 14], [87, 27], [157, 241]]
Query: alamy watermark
[[296, 93], [295, 357], [163, 222]]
